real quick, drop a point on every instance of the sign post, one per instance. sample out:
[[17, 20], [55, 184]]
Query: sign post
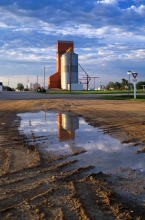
[[128, 72], [134, 80]]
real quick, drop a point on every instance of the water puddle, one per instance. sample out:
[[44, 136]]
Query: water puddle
[[66, 134]]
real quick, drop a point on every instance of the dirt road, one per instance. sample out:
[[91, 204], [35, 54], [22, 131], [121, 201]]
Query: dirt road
[[36, 186]]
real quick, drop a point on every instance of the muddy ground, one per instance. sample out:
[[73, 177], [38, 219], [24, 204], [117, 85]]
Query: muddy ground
[[36, 186]]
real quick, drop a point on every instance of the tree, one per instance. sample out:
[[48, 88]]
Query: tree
[[139, 85], [20, 86], [124, 82], [110, 85], [7, 88], [117, 85]]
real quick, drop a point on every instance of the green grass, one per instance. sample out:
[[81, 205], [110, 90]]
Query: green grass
[[93, 92], [57, 92], [124, 97], [106, 97]]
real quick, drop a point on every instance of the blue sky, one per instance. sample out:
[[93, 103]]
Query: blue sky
[[109, 36]]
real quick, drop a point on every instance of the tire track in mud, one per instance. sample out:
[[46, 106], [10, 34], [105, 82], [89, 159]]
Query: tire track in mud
[[38, 176], [119, 206], [84, 199], [20, 186], [27, 186], [49, 190]]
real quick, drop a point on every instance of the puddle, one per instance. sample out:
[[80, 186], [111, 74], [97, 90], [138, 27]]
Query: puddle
[[63, 134]]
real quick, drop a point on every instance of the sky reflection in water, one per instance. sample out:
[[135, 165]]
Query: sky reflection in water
[[64, 133]]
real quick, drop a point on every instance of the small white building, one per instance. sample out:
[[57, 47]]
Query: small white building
[[101, 87], [1, 86], [36, 86], [91, 89], [75, 86], [33, 87], [30, 86]]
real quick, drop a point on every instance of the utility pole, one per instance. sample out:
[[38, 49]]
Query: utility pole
[[70, 68], [9, 83], [44, 78], [37, 81], [27, 82]]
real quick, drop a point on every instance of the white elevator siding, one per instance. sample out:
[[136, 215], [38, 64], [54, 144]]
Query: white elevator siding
[[69, 122], [65, 69]]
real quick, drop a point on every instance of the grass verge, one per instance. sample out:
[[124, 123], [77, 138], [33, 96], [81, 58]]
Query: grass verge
[[93, 92], [123, 97]]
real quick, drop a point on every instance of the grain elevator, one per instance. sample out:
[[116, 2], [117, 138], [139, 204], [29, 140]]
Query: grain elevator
[[66, 74]]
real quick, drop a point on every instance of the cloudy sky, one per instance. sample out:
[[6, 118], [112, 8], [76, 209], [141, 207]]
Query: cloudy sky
[[109, 36]]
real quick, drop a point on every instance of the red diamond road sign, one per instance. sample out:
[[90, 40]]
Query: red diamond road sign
[[134, 75]]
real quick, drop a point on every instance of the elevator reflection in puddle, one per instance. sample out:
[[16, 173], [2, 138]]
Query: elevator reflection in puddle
[[67, 124], [66, 134]]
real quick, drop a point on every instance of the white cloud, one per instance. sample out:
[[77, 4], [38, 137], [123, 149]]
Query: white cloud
[[107, 37], [114, 2], [139, 10]]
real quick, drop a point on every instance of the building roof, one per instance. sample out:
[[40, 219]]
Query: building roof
[[64, 41]]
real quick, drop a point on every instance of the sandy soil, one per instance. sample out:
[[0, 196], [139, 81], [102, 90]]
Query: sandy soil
[[36, 186]]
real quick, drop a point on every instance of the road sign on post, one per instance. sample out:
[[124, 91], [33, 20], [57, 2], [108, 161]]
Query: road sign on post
[[134, 80], [134, 75]]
